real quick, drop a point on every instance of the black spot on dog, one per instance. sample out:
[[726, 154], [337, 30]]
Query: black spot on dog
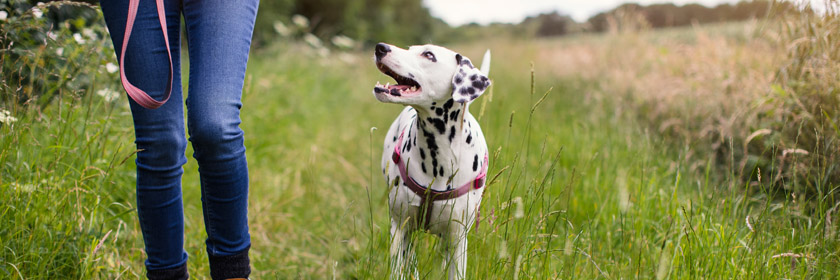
[[422, 154], [471, 90], [458, 79], [475, 163], [473, 77], [426, 133], [397, 181], [469, 138], [441, 171], [439, 111], [466, 62], [439, 125], [463, 91], [434, 103], [478, 84], [423, 167], [451, 133], [430, 142], [454, 115], [411, 75], [395, 138], [448, 104]]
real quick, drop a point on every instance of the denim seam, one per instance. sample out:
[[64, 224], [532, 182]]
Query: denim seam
[[208, 220]]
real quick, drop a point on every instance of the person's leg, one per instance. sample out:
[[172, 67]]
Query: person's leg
[[219, 39], [159, 133]]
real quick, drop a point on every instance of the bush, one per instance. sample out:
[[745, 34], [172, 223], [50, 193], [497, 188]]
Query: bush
[[52, 49]]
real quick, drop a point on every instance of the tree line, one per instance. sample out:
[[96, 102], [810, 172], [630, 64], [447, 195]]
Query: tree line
[[406, 22]]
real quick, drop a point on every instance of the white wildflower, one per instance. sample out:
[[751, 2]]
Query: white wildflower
[[519, 211], [503, 251], [347, 58], [568, 248], [623, 192], [313, 41], [6, 117], [37, 12], [79, 39], [111, 68], [793, 255], [3, 15], [342, 41], [89, 33], [108, 94], [664, 263], [282, 29], [794, 151], [749, 225], [300, 21], [324, 52], [28, 187], [22, 187], [52, 35], [516, 266], [59, 51]]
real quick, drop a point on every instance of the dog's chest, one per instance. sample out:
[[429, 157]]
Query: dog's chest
[[441, 161]]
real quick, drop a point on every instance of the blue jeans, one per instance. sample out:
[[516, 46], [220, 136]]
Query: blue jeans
[[219, 37]]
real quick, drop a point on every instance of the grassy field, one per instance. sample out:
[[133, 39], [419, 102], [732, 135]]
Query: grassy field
[[579, 189]]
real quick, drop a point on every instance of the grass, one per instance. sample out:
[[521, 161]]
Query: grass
[[758, 97], [579, 189]]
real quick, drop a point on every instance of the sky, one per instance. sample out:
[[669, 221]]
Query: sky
[[458, 12]]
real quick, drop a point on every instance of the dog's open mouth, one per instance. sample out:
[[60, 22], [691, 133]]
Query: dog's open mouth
[[404, 86]]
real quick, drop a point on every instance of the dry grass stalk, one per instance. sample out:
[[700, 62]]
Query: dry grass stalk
[[770, 86]]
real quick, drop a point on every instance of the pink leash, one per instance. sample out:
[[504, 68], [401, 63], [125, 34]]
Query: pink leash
[[134, 92]]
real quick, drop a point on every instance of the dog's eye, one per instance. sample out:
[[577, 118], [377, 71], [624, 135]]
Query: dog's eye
[[430, 56]]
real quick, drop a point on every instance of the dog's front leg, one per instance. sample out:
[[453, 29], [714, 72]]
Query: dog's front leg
[[456, 254], [402, 253]]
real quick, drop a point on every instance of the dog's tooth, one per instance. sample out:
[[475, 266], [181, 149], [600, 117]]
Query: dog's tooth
[[413, 88], [387, 84]]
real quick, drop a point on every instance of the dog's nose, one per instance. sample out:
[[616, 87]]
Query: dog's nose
[[381, 50]]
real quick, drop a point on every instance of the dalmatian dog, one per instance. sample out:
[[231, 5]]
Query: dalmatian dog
[[435, 158]]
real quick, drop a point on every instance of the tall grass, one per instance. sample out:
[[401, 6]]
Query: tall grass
[[580, 187], [758, 98], [66, 191]]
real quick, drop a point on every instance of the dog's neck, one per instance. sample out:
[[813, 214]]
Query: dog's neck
[[438, 134]]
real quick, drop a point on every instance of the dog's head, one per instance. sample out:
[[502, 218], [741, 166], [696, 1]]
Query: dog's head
[[426, 74]]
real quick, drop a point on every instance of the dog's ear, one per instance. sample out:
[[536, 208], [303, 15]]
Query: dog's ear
[[468, 82]]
